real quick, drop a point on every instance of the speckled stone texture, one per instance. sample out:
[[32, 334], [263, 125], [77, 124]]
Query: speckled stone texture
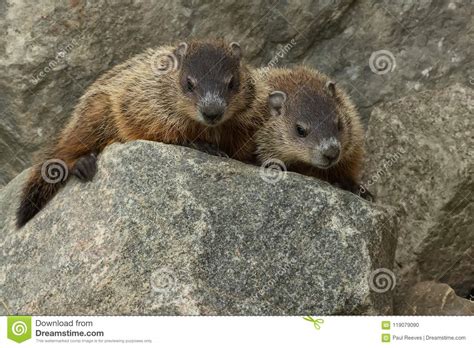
[[421, 151], [169, 230]]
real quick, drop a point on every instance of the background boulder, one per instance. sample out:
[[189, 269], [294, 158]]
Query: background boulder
[[431, 298], [52, 50], [421, 162]]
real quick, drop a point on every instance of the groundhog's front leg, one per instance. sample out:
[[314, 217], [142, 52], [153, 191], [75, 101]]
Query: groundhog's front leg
[[208, 148], [352, 186]]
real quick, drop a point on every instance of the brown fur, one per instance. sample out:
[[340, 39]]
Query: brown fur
[[272, 140], [132, 102]]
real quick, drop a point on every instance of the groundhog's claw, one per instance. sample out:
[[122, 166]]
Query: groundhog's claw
[[85, 167]]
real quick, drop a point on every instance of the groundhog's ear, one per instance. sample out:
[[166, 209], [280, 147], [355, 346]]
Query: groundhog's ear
[[331, 87], [235, 49], [181, 49], [276, 99]]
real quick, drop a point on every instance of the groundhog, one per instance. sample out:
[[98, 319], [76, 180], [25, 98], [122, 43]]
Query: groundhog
[[312, 127], [189, 94]]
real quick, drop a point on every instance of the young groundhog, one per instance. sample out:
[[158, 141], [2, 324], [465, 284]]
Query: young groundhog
[[313, 129], [191, 94]]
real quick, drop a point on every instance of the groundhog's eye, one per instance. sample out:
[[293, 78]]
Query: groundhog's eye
[[231, 84], [301, 131], [190, 84]]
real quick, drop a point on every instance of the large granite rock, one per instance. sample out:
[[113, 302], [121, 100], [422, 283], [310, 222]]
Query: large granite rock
[[169, 230], [50, 51], [421, 151]]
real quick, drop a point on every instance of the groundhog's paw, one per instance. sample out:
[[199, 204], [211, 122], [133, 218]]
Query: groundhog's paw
[[366, 194], [357, 189], [85, 167], [207, 148], [214, 151]]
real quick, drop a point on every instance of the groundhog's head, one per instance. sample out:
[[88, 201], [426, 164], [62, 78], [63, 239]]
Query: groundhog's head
[[210, 79], [308, 119]]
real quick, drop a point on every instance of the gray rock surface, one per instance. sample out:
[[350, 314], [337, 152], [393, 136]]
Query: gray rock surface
[[169, 230], [420, 146], [50, 51], [421, 151], [431, 298]]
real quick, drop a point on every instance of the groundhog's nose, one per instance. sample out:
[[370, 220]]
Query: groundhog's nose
[[331, 153], [212, 113]]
